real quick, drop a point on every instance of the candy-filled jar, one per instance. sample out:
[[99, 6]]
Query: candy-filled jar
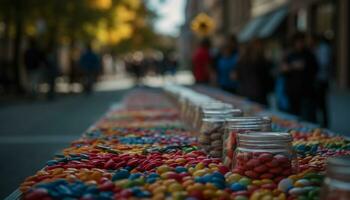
[[210, 106], [236, 125], [212, 130], [336, 185], [265, 155]]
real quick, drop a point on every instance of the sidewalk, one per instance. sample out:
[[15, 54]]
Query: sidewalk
[[32, 132]]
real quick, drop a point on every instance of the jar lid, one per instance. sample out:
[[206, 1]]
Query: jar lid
[[221, 115], [339, 166], [265, 137], [246, 122], [216, 106]]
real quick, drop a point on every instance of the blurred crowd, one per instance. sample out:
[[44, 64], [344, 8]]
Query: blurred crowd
[[44, 65], [299, 81]]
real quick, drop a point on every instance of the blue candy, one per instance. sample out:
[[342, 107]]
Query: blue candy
[[180, 169], [120, 174], [135, 176], [237, 187]]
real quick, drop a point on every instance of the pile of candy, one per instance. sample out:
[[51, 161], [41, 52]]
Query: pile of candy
[[141, 150]]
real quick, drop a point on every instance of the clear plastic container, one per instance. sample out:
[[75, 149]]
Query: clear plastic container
[[209, 106], [213, 129], [336, 185], [237, 125], [265, 155]]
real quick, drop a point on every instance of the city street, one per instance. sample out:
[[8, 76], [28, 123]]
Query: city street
[[32, 132]]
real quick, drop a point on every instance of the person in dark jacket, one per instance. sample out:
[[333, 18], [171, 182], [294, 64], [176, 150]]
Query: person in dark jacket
[[226, 63], [299, 69], [253, 73], [34, 61], [91, 64]]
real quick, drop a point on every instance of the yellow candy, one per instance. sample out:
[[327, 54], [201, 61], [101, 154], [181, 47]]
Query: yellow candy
[[265, 181], [57, 171], [179, 195], [257, 182], [210, 186], [96, 176], [282, 196], [169, 182], [211, 165], [196, 186], [200, 166], [159, 196], [175, 187], [209, 193], [163, 168], [92, 182], [160, 189], [293, 177], [187, 183], [214, 169], [233, 178], [180, 160], [221, 193], [191, 170], [165, 175], [267, 197], [201, 172]]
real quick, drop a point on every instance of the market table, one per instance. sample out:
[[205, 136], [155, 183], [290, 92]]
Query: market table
[[141, 149]]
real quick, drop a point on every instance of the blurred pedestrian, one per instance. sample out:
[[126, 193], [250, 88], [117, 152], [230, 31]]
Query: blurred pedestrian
[[33, 61], [299, 69], [323, 53], [90, 64], [253, 73], [201, 61], [226, 64], [51, 69]]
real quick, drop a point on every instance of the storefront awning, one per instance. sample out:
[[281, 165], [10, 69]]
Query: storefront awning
[[263, 26], [275, 19], [251, 29]]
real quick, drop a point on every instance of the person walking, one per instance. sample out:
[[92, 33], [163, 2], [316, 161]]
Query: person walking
[[90, 64], [201, 63], [225, 66], [253, 73], [299, 69], [33, 61], [323, 53], [51, 69]]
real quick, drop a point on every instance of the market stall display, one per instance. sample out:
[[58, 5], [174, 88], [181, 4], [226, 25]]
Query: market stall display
[[142, 149]]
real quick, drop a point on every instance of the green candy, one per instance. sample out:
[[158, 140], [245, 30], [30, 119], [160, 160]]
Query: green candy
[[316, 181], [129, 184], [245, 181], [313, 175], [240, 197], [139, 181], [302, 197], [314, 193]]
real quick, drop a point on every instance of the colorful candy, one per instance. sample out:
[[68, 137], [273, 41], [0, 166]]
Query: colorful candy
[[142, 150]]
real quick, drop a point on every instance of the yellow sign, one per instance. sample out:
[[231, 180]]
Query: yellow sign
[[202, 24]]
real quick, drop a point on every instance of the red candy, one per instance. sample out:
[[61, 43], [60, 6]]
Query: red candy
[[263, 165]]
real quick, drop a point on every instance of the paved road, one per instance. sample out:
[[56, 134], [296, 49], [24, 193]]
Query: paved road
[[31, 132]]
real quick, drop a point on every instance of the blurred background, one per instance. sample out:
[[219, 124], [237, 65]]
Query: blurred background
[[64, 62]]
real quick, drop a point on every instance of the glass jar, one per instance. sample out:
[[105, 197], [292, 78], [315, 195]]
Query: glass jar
[[212, 130], [336, 185], [237, 125], [208, 106], [265, 155]]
